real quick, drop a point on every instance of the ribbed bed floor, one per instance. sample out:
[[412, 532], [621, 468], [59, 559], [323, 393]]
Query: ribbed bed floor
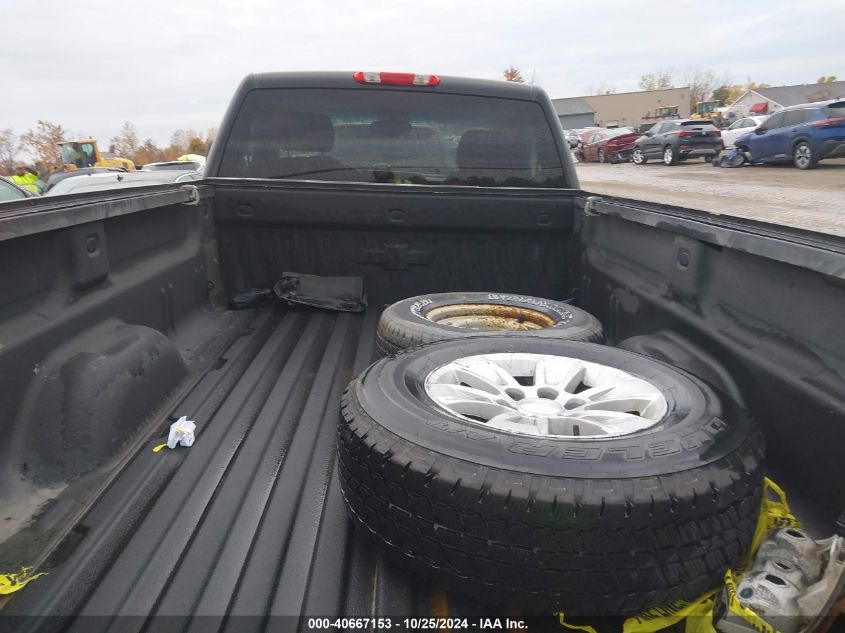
[[249, 522]]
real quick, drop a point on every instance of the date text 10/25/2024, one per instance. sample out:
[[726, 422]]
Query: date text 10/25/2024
[[416, 624]]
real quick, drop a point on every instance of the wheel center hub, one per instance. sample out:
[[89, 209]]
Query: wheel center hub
[[539, 408]]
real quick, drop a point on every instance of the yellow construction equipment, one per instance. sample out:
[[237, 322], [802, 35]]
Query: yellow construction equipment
[[666, 112], [86, 153], [706, 109]]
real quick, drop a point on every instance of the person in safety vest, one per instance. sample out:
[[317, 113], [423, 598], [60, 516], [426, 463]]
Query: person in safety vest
[[383, 173], [27, 178]]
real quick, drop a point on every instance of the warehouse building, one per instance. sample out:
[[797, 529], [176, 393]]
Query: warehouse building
[[625, 109], [574, 113]]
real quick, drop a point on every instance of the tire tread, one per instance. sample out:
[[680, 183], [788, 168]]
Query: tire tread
[[547, 542]]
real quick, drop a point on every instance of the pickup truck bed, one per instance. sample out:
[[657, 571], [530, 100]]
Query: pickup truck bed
[[250, 522]]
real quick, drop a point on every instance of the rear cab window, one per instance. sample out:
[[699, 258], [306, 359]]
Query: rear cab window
[[703, 125], [392, 136]]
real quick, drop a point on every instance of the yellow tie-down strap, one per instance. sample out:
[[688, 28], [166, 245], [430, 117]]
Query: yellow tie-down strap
[[574, 627], [10, 583], [774, 515]]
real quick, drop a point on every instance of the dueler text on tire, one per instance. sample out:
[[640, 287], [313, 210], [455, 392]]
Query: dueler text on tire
[[456, 315], [546, 474]]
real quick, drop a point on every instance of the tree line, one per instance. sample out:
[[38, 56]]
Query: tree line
[[704, 84], [41, 145]]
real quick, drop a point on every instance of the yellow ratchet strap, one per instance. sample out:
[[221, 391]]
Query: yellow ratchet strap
[[10, 583], [574, 627], [774, 515]]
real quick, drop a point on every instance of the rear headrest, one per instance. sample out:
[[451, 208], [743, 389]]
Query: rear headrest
[[480, 150], [303, 132]]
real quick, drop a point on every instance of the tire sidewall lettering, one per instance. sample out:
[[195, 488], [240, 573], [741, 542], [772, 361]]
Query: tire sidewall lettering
[[565, 315], [417, 306], [632, 451]]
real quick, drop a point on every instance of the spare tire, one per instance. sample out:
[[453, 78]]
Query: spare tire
[[546, 474], [456, 315]]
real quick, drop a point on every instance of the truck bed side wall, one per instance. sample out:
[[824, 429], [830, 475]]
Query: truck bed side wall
[[88, 318], [767, 330]]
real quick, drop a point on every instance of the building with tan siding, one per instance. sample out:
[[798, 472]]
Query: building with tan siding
[[624, 109]]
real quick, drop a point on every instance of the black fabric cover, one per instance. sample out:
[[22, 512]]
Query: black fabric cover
[[344, 294]]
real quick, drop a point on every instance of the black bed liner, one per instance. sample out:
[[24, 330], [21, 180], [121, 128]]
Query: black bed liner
[[249, 521], [246, 530]]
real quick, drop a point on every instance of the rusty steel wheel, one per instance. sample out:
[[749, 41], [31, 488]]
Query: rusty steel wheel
[[458, 315], [490, 316]]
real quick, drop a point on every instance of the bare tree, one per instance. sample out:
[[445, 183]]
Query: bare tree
[[180, 139], [126, 143], [658, 80], [184, 142], [43, 142], [512, 74], [604, 88], [701, 83], [7, 150]]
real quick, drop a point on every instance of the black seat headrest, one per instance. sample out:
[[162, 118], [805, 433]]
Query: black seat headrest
[[303, 132], [491, 150]]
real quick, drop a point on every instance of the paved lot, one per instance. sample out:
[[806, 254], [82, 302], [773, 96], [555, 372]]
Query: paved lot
[[813, 199]]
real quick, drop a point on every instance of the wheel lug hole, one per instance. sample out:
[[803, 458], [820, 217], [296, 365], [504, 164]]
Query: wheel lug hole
[[574, 403], [547, 392], [516, 394]]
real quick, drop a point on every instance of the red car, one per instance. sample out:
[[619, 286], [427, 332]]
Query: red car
[[609, 146]]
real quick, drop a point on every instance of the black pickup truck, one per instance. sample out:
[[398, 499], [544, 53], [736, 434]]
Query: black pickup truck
[[115, 323]]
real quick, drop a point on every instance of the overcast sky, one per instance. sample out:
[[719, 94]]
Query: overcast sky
[[168, 64]]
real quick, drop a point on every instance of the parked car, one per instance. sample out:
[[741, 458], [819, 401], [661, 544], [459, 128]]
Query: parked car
[[802, 134], [610, 146], [119, 180], [677, 140], [10, 191], [174, 165], [740, 127], [58, 176], [572, 137], [584, 135]]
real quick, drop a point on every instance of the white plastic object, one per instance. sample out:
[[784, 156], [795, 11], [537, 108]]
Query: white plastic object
[[181, 433]]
